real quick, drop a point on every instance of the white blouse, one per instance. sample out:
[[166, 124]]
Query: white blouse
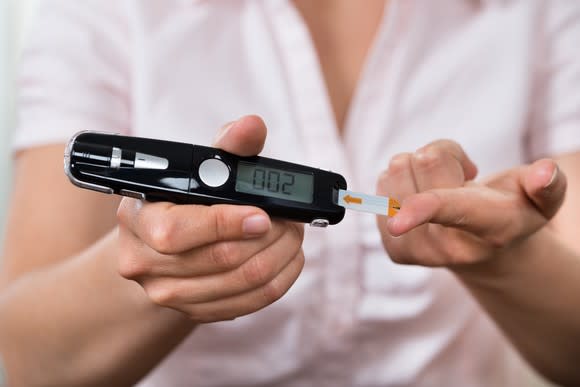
[[501, 77]]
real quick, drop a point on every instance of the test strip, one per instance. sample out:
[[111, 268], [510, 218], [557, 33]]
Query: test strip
[[380, 205]]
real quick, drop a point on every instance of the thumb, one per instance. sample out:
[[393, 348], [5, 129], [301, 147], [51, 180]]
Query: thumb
[[545, 185], [244, 137]]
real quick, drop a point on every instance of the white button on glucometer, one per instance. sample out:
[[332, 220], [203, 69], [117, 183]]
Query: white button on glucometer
[[214, 172]]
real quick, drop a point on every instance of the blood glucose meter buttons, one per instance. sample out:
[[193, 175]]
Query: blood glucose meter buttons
[[214, 172]]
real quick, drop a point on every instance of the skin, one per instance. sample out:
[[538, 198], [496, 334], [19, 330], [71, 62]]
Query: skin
[[232, 261], [213, 263], [142, 262], [342, 33], [509, 238]]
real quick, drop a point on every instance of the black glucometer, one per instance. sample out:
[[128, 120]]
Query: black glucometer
[[158, 170]]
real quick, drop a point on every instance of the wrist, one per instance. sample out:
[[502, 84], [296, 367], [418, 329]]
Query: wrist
[[147, 310], [171, 317], [142, 307]]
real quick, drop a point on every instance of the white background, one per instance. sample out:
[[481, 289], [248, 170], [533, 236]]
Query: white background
[[15, 16]]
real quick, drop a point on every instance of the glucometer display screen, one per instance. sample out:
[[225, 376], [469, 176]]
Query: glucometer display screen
[[260, 180]]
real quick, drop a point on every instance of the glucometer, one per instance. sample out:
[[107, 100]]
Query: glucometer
[[158, 170]]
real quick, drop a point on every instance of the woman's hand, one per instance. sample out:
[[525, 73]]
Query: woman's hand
[[446, 219], [211, 262]]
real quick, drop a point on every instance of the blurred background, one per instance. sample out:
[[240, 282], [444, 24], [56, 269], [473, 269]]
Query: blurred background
[[15, 17]]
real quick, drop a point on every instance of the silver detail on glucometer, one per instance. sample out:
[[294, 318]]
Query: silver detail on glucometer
[[116, 157], [74, 180], [132, 194], [145, 161], [319, 223], [214, 172]]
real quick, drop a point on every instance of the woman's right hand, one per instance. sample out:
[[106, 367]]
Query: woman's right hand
[[215, 262]]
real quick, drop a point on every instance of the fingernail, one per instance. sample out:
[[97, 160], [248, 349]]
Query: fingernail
[[256, 224], [223, 131], [553, 178]]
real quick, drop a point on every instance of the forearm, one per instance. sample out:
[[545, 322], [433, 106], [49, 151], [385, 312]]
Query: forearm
[[532, 294], [80, 323]]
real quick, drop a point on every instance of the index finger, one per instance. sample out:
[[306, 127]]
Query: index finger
[[435, 149], [484, 212], [171, 228]]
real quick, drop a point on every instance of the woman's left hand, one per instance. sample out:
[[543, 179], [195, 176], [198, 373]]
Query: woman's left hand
[[447, 219]]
